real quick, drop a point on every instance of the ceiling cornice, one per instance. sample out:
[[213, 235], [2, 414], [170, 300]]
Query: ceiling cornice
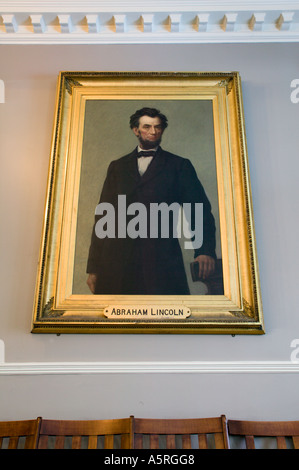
[[155, 22]]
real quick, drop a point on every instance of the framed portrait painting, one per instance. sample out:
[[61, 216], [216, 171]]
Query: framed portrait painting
[[148, 224]]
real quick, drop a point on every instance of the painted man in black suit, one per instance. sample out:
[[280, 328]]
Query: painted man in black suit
[[146, 264]]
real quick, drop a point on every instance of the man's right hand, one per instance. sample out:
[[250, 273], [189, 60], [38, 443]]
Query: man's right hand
[[91, 282]]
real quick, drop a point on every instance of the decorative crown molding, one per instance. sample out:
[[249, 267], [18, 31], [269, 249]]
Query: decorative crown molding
[[139, 22]]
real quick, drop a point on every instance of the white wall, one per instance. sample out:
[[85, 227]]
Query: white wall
[[26, 118]]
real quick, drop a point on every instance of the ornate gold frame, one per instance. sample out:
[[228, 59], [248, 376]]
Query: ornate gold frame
[[239, 310]]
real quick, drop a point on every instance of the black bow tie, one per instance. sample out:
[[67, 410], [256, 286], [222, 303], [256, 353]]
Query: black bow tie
[[143, 153]]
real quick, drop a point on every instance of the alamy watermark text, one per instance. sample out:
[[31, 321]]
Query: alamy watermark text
[[162, 221]]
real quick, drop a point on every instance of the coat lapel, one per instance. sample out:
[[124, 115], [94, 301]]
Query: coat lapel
[[131, 167], [155, 167]]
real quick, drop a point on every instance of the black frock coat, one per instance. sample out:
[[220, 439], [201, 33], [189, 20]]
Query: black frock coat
[[148, 265]]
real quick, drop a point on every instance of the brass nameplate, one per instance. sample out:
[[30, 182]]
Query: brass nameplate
[[149, 312]]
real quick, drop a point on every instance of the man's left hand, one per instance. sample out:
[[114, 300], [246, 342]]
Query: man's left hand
[[206, 265]]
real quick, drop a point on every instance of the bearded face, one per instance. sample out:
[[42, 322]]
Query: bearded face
[[149, 132]]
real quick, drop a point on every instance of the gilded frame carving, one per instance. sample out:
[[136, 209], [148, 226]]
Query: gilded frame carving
[[239, 309]]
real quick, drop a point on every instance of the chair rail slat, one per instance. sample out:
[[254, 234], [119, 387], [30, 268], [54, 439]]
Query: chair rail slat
[[13, 442], [59, 442], [154, 441], [281, 442], [202, 441], [92, 442], [186, 441], [170, 441]]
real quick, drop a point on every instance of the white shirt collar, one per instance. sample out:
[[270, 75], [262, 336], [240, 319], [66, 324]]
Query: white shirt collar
[[139, 149]]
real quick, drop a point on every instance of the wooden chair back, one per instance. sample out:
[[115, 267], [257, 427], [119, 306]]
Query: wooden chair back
[[202, 433], [257, 429], [90, 434], [19, 434]]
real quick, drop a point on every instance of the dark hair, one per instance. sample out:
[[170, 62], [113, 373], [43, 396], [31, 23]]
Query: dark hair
[[151, 112]]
